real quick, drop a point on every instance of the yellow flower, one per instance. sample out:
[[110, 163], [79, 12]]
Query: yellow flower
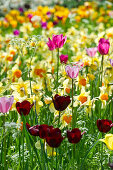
[[108, 141], [36, 87], [21, 87]]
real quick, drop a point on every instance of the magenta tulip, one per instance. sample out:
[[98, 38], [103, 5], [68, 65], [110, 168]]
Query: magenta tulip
[[59, 40], [6, 103], [63, 58], [50, 44], [103, 46]]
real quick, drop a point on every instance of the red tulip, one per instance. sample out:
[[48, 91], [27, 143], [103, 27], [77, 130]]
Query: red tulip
[[54, 138], [34, 130], [44, 130], [104, 125], [74, 135], [61, 102], [24, 107]]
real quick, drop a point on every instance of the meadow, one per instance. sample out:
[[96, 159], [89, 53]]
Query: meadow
[[56, 87]]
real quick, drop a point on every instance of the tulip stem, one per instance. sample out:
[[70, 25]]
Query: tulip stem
[[52, 58], [57, 70], [4, 142], [73, 153], [72, 107], [30, 75], [56, 158], [59, 119], [23, 146], [112, 108], [102, 68], [52, 158]]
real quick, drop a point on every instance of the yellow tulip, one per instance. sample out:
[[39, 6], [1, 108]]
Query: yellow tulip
[[108, 141]]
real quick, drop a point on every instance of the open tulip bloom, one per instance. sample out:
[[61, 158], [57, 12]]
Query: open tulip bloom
[[6, 103], [108, 141], [57, 41]]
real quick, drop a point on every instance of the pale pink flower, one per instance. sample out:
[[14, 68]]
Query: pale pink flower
[[91, 51], [73, 71], [6, 103], [111, 62]]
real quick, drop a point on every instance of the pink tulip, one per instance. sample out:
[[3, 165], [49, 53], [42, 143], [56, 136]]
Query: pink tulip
[[5, 104], [91, 51], [73, 71], [59, 40], [50, 44], [111, 62], [103, 46], [63, 58]]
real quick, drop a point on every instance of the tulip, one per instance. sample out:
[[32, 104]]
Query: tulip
[[91, 51], [59, 40], [74, 135], [63, 58], [24, 107], [108, 141], [34, 130], [104, 125], [73, 71], [50, 44], [16, 32], [5, 104], [21, 9], [44, 131], [103, 46], [54, 138], [61, 102], [44, 25]]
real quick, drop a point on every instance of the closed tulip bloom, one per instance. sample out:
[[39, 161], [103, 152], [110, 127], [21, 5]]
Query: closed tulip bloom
[[34, 130], [59, 40], [61, 102], [50, 44], [24, 107], [108, 141], [74, 135], [103, 46], [73, 71], [63, 58], [16, 32], [91, 51], [6, 103], [54, 138], [104, 125]]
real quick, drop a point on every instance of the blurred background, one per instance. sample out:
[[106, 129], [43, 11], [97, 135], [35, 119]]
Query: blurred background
[[6, 5]]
